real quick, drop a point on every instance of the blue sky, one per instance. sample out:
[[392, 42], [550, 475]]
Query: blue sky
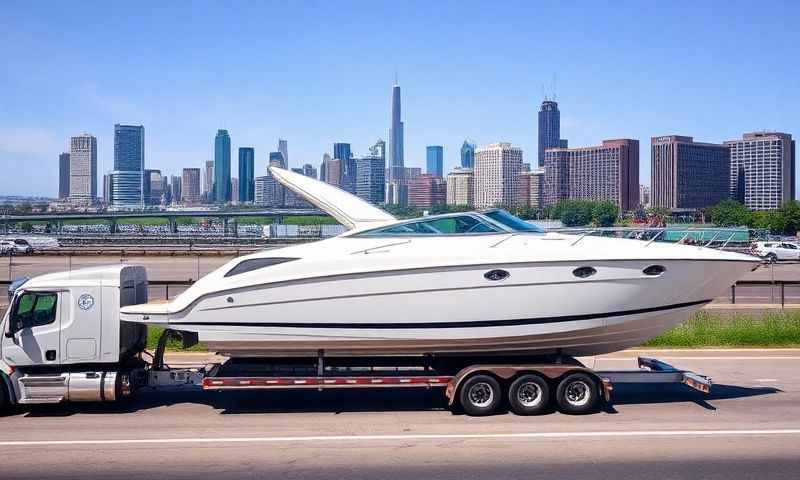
[[320, 72]]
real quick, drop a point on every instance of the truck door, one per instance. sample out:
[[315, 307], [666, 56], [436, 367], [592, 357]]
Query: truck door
[[33, 333]]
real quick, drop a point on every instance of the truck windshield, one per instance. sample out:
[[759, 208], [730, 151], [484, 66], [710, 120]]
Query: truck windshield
[[515, 223]]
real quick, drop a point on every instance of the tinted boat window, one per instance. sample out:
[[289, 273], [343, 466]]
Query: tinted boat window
[[255, 264], [456, 225], [513, 222]]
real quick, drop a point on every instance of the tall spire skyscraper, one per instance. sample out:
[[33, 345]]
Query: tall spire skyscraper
[[549, 128], [396, 165]]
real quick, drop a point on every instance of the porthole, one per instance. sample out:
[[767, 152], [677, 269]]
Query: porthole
[[584, 272], [495, 275], [654, 270]]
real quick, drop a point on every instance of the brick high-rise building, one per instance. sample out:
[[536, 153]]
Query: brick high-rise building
[[461, 187], [685, 174], [531, 187], [190, 186], [606, 172], [426, 191], [497, 169]]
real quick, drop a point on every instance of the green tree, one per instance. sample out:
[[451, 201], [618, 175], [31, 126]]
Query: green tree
[[575, 213], [790, 217], [604, 213], [730, 213]]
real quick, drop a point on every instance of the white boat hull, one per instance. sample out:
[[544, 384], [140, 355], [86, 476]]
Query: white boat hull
[[540, 308]]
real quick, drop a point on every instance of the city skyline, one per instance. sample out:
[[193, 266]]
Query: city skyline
[[700, 100]]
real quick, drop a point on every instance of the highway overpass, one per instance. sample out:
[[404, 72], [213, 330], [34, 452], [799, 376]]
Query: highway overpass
[[112, 218]]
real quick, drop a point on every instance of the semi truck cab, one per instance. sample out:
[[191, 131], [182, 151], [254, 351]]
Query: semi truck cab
[[62, 338]]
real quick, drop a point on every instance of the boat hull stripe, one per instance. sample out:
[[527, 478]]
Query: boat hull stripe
[[466, 324]]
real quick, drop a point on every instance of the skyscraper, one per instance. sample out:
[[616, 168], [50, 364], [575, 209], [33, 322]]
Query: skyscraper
[[128, 167], [190, 186], [63, 175], [222, 167], [323, 167], [235, 190], [347, 181], [309, 171], [177, 188], [274, 193], [208, 180], [497, 169], [468, 154], [461, 187], [396, 139], [685, 174], [83, 169], [247, 180], [606, 172], [549, 128], [767, 161], [108, 190], [435, 160], [283, 147], [153, 187], [371, 182]]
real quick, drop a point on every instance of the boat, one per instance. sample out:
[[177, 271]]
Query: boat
[[455, 284]]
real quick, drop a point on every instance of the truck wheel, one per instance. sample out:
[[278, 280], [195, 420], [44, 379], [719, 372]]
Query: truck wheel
[[577, 394], [480, 395], [529, 395]]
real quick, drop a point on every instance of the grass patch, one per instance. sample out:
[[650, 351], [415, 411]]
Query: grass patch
[[740, 330], [153, 334]]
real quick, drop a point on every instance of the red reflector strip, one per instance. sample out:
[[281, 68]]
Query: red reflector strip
[[305, 381]]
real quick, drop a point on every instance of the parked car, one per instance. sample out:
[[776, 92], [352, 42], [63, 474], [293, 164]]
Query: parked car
[[775, 251], [6, 247], [16, 247]]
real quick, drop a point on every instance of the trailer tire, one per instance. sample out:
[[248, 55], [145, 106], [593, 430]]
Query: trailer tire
[[529, 395], [480, 395], [4, 397], [577, 394]]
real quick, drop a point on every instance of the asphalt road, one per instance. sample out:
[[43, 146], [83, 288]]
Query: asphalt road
[[748, 427]]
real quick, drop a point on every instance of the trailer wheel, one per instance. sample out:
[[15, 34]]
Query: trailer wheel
[[4, 402], [577, 394], [529, 395], [480, 395]]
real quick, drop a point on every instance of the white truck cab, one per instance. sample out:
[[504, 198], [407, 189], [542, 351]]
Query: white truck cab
[[63, 330]]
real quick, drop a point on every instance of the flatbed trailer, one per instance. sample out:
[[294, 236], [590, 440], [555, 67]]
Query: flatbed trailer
[[478, 386]]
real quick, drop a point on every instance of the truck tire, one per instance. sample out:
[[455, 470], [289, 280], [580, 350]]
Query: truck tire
[[480, 395], [529, 395], [577, 394]]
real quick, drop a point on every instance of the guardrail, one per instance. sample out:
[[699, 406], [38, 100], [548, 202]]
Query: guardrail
[[761, 283]]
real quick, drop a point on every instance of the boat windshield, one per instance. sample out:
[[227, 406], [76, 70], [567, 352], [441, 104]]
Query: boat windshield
[[446, 225], [511, 221]]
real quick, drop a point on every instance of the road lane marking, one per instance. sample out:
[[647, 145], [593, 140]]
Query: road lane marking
[[766, 380], [465, 436]]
